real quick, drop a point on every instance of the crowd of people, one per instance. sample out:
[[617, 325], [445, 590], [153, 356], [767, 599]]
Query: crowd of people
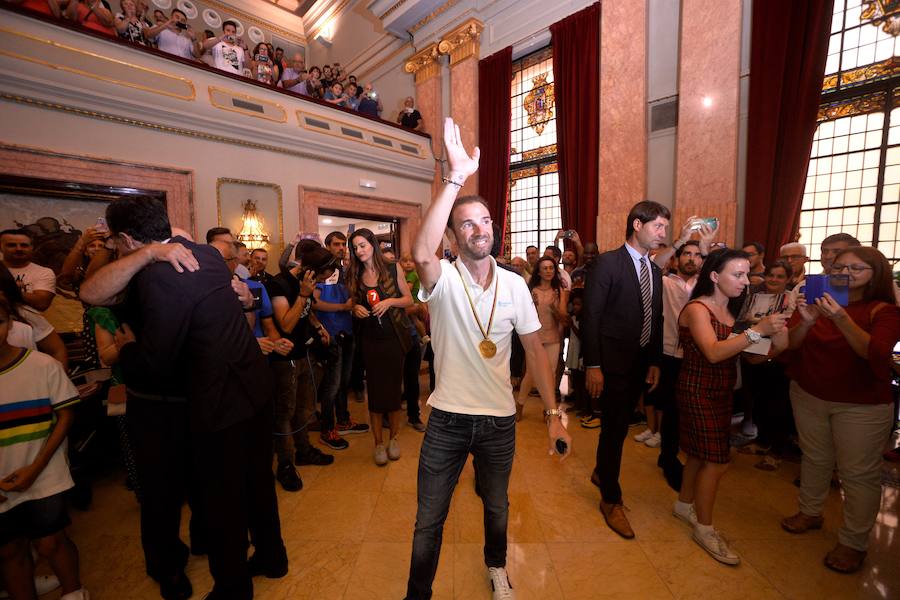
[[224, 50], [219, 366]]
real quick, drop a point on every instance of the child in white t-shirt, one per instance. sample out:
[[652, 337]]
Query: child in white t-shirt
[[36, 398]]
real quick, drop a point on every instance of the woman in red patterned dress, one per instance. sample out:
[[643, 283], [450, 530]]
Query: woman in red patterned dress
[[705, 385]]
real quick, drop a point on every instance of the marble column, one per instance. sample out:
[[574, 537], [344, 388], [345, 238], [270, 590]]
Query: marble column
[[464, 48], [427, 70], [623, 121], [708, 113]]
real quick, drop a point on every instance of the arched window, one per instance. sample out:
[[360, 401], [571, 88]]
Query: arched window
[[853, 181], [533, 212]]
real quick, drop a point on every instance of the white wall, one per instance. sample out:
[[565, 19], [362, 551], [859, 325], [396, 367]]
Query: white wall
[[29, 126]]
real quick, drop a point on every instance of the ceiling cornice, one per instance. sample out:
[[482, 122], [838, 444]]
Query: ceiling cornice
[[321, 13]]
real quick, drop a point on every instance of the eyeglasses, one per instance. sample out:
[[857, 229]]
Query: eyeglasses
[[855, 269]]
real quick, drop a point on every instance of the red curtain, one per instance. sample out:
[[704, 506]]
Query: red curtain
[[787, 63], [576, 75], [494, 113]]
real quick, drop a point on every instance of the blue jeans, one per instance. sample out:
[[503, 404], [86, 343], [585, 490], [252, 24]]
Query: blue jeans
[[449, 439], [335, 381]]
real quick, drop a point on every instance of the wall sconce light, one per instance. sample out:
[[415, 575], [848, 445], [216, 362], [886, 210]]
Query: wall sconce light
[[326, 33], [252, 227]]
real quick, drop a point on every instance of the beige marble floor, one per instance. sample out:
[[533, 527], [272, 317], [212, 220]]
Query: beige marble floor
[[349, 531]]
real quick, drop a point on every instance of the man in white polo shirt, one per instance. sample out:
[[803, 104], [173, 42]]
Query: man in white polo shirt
[[475, 307]]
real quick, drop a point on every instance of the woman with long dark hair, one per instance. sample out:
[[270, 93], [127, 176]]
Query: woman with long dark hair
[[550, 300], [840, 366], [381, 297], [705, 384]]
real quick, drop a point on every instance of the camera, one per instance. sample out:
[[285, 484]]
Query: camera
[[261, 58], [569, 234]]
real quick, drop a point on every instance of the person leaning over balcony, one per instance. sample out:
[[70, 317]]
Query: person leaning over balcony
[[261, 65], [370, 103], [294, 75], [335, 95], [175, 36], [409, 116], [129, 25], [228, 56], [95, 15]]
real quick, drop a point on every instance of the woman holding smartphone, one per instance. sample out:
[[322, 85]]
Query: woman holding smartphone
[[385, 334], [842, 399], [705, 385]]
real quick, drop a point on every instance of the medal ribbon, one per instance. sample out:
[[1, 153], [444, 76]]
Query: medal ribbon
[[472, 304]]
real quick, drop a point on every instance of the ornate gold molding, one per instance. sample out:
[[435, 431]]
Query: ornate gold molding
[[188, 93], [424, 63], [388, 12], [438, 12], [179, 131], [463, 42]]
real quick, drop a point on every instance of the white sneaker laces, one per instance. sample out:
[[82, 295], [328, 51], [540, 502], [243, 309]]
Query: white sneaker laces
[[500, 583]]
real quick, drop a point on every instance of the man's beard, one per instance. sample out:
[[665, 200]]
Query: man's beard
[[471, 250], [690, 271]]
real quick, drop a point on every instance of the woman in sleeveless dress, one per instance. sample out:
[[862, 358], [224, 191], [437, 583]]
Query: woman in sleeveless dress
[[550, 300], [384, 334], [705, 385]]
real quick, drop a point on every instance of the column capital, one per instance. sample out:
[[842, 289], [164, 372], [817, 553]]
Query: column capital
[[424, 63], [463, 42]]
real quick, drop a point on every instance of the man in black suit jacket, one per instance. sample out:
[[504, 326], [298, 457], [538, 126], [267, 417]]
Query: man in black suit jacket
[[194, 342], [622, 339]]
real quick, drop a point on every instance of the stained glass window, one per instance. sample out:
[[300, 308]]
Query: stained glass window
[[533, 212], [853, 179]]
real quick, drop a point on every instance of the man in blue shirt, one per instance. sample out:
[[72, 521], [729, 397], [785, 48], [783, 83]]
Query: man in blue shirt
[[333, 306]]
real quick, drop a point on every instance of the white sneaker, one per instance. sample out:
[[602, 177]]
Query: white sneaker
[[643, 436], [500, 584], [748, 429], [381, 457], [653, 441], [713, 542], [393, 449], [687, 515]]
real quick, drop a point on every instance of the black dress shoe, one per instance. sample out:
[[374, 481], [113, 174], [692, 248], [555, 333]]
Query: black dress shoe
[[177, 588], [288, 478], [269, 569], [313, 456]]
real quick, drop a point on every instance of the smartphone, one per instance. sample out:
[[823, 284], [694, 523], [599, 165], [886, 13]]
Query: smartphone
[[712, 222], [569, 233], [181, 26], [100, 225], [838, 286]]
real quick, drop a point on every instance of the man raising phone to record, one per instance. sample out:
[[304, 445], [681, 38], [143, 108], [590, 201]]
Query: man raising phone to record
[[475, 307]]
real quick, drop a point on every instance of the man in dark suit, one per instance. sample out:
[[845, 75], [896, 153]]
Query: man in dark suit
[[195, 346], [622, 343]]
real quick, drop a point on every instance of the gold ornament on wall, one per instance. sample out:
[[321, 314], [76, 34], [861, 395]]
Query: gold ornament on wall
[[885, 12], [539, 103]]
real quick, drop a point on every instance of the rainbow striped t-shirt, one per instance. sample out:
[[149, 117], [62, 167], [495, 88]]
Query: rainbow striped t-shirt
[[32, 387]]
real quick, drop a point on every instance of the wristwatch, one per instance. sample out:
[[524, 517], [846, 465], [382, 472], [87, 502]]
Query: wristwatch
[[752, 336], [551, 412]]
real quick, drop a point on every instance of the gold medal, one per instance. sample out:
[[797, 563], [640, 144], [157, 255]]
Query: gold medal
[[487, 348]]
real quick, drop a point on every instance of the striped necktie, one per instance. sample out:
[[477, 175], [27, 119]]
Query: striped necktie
[[646, 299]]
